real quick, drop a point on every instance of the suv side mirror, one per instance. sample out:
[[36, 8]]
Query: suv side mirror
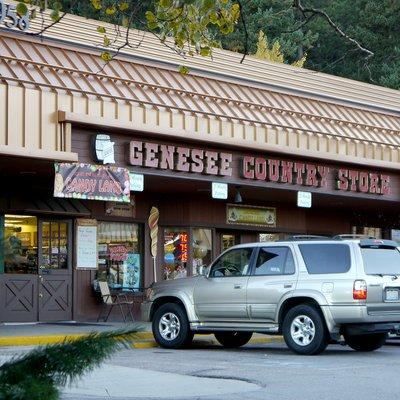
[[203, 270]]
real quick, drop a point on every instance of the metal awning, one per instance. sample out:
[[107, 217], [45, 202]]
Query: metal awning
[[48, 206]]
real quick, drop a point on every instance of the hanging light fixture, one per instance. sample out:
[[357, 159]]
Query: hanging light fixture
[[238, 196]]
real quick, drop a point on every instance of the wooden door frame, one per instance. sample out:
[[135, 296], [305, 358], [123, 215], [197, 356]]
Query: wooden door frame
[[70, 253]]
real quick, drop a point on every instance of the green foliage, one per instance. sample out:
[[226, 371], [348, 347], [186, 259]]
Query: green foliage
[[273, 53], [196, 26], [39, 374]]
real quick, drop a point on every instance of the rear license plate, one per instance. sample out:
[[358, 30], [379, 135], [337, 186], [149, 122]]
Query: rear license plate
[[392, 295]]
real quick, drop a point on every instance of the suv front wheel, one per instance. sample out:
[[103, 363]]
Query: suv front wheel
[[171, 326], [304, 330], [369, 342]]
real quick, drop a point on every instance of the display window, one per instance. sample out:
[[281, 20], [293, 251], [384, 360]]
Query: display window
[[372, 231], [19, 250], [176, 253], [120, 261], [202, 249]]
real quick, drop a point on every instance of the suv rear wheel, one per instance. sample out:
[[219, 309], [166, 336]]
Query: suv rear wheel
[[233, 339], [368, 342], [304, 330], [171, 326]]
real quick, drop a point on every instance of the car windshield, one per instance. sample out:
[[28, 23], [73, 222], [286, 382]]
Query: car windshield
[[381, 261]]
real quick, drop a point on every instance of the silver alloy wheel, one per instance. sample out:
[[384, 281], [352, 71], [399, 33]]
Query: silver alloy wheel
[[302, 330], [169, 326]]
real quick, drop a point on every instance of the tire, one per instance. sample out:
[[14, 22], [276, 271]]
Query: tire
[[233, 340], [368, 342], [304, 330], [172, 316]]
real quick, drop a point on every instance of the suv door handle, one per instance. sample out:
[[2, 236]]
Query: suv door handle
[[237, 286]]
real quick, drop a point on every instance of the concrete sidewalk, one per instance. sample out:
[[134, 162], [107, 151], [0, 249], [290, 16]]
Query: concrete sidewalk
[[49, 333]]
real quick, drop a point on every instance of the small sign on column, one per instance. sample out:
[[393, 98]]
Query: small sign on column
[[304, 199], [219, 190]]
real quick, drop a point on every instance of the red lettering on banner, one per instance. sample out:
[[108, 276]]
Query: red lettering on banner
[[323, 172], [167, 157], [342, 182], [135, 153], [363, 182], [211, 162], [183, 154], [385, 188], [353, 177], [287, 172], [260, 169], [374, 184], [273, 173], [248, 162], [299, 168], [151, 159], [197, 158], [225, 168], [311, 179]]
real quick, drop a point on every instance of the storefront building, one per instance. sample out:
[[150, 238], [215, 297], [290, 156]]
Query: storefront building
[[134, 172]]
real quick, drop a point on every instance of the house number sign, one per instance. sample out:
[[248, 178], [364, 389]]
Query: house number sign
[[10, 18]]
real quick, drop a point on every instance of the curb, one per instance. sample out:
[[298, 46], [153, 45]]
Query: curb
[[145, 340]]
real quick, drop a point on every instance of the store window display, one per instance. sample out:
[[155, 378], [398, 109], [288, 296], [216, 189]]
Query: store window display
[[202, 249], [176, 253], [19, 255], [120, 261]]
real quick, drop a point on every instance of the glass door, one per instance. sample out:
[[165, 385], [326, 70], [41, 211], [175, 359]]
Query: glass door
[[55, 270]]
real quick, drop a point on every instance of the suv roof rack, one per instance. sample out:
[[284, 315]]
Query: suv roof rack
[[349, 236], [307, 237]]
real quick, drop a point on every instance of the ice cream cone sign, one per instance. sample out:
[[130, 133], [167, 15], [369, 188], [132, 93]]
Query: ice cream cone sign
[[153, 225]]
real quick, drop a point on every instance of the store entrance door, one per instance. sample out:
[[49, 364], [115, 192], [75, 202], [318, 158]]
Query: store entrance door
[[55, 270], [227, 239]]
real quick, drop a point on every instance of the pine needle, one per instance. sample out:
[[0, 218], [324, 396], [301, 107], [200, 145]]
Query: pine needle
[[39, 374]]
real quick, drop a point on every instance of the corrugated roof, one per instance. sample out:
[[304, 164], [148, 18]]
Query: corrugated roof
[[226, 64], [26, 61]]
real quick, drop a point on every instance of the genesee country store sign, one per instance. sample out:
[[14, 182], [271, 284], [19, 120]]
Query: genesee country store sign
[[91, 182], [256, 168]]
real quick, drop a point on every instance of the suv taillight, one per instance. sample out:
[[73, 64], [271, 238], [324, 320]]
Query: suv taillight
[[360, 290]]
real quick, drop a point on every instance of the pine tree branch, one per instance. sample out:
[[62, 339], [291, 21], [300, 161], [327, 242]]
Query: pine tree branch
[[308, 12], [246, 33]]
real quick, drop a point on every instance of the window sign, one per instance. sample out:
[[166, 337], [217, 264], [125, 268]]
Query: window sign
[[219, 190], [176, 253], [119, 249], [304, 199], [137, 182], [86, 243]]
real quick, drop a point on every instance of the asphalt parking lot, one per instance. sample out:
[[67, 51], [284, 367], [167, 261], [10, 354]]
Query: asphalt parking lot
[[262, 371]]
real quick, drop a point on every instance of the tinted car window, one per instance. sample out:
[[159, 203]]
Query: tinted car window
[[326, 258], [235, 262], [275, 261], [381, 261]]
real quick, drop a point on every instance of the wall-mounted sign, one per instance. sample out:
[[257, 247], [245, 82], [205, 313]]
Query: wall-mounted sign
[[91, 182], [103, 149], [137, 182], [257, 168], [304, 199], [176, 158], [86, 243], [115, 209], [219, 190], [313, 175], [11, 19], [250, 215]]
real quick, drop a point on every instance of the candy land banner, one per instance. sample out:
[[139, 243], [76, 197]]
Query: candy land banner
[[91, 182]]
